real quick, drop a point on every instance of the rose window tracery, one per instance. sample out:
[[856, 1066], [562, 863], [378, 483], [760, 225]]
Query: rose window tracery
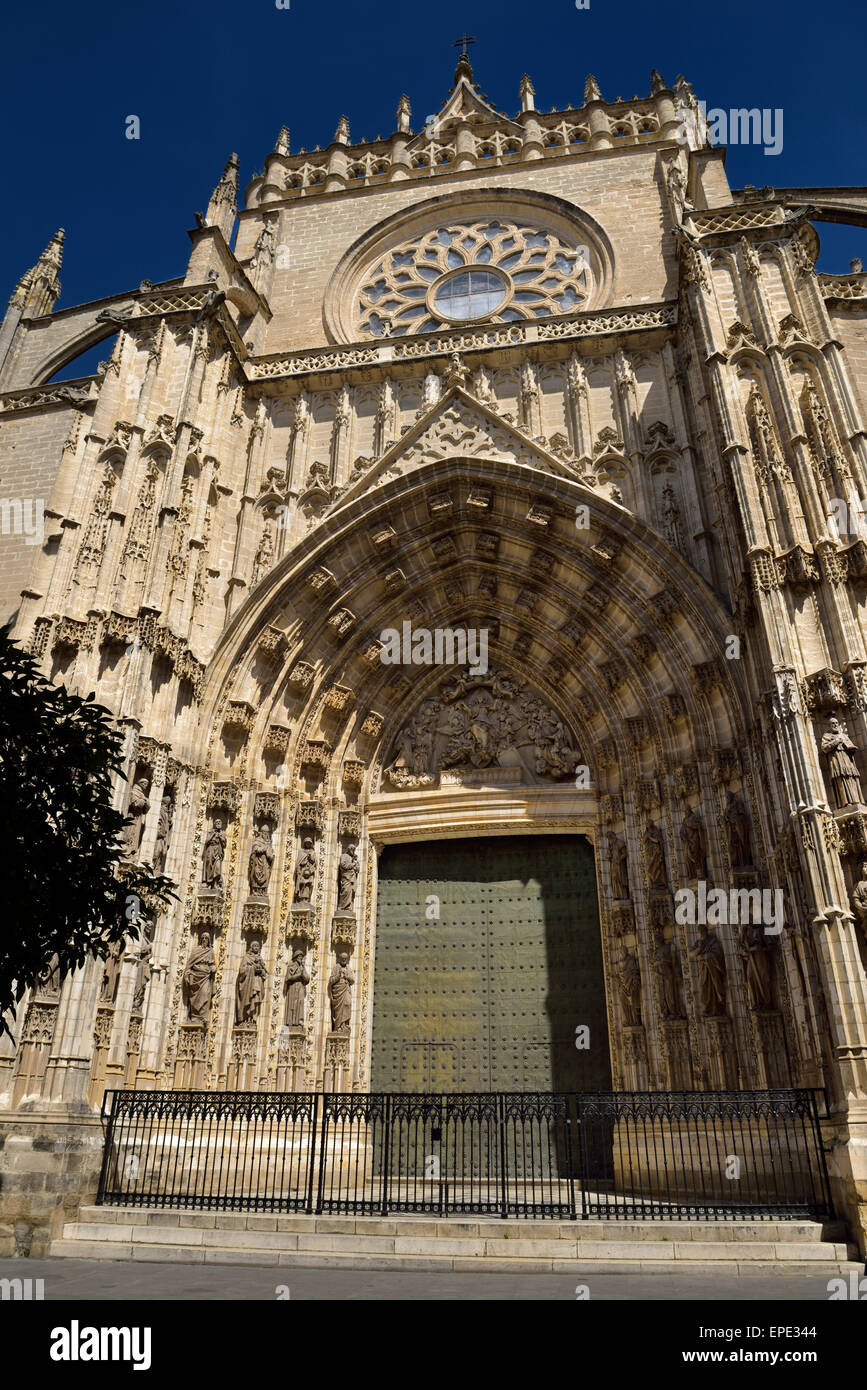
[[494, 271]]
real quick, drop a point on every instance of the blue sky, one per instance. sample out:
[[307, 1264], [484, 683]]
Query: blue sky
[[208, 79]]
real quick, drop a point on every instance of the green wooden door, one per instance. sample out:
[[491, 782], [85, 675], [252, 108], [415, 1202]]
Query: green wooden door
[[487, 960]]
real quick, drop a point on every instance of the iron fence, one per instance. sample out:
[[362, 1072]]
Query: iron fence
[[719, 1155]]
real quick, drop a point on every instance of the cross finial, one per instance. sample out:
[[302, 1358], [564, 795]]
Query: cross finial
[[462, 42]]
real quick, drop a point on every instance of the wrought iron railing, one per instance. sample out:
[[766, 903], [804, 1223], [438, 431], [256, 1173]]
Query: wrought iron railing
[[712, 1155]]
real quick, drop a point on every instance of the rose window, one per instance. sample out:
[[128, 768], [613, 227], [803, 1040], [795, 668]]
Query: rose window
[[494, 271]]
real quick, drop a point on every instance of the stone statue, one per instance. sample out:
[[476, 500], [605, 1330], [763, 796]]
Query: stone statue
[[665, 966], [250, 988], [757, 950], [47, 982], [737, 824], [347, 879], [111, 973], [261, 861], [297, 980], [143, 969], [340, 984], [198, 976], [164, 827], [859, 896], [694, 841], [131, 835], [618, 859], [628, 975], [710, 957], [212, 861], [305, 871], [839, 749], [654, 853]]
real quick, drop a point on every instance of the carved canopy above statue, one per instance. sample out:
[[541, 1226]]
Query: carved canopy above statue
[[482, 721]]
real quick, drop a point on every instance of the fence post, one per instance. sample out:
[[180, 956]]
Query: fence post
[[100, 1191], [501, 1125], [312, 1163], [386, 1156]]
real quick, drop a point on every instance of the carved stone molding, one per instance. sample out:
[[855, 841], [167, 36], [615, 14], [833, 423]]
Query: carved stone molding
[[277, 739], [309, 815], [267, 807], [349, 825], [223, 796], [611, 808], [256, 919], [353, 772], [823, 690], [301, 676], [301, 923]]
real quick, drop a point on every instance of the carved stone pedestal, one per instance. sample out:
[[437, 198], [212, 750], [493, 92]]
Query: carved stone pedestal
[[291, 1072], [722, 1055], [102, 1030], [190, 1061], [241, 1074], [337, 1071], [34, 1049], [772, 1048], [133, 1047], [634, 1044], [301, 922], [343, 931], [678, 1058]]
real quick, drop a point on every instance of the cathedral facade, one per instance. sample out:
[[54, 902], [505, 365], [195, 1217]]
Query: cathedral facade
[[469, 547]]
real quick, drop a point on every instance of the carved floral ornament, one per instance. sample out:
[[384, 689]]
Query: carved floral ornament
[[482, 721]]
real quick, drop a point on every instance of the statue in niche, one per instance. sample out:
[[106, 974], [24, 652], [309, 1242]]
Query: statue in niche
[[859, 896], [198, 979], [710, 958], [694, 841], [164, 828], [263, 251], [250, 987], [47, 982], [305, 871], [340, 984], [666, 968], [628, 976], [212, 860], [737, 823], [111, 969], [347, 879], [297, 980], [619, 861], [260, 862], [839, 750], [757, 950], [654, 854], [143, 969], [131, 835]]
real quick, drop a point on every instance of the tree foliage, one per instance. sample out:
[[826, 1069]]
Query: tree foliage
[[66, 887]]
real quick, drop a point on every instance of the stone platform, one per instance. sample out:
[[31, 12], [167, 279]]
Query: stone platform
[[454, 1243]]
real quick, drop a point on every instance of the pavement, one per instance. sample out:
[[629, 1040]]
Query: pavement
[[70, 1280]]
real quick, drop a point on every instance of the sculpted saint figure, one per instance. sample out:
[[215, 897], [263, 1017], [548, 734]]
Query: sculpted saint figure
[[708, 953], [654, 852], [198, 975], [340, 984], [297, 980], [859, 896], [164, 826], [212, 861], [757, 949], [48, 979], [619, 870], [250, 988], [737, 824], [694, 841], [138, 808], [261, 860], [111, 973], [629, 984], [667, 971], [143, 970], [839, 750], [347, 879], [305, 871]]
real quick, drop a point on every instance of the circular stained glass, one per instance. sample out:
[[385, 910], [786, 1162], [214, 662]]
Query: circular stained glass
[[472, 294]]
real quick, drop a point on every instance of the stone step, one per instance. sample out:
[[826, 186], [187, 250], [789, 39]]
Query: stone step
[[623, 1263], [459, 1244], [456, 1227]]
